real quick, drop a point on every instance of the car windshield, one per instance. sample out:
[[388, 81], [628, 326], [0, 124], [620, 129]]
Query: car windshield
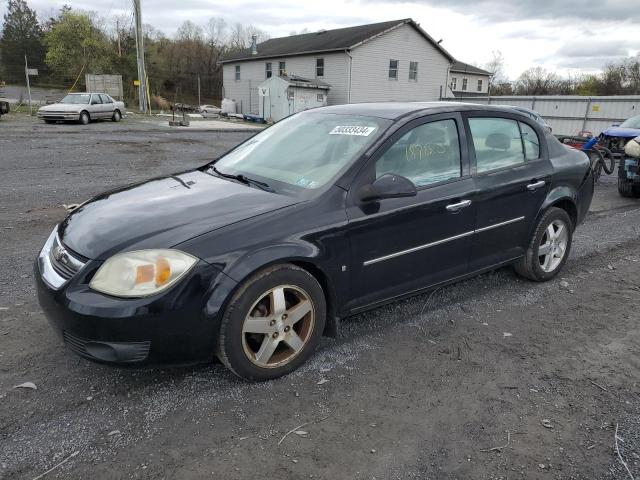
[[633, 122], [305, 150], [77, 99]]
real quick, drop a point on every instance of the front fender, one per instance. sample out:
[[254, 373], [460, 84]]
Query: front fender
[[254, 260], [305, 255]]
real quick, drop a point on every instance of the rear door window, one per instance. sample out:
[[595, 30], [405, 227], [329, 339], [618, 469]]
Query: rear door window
[[497, 143], [427, 154]]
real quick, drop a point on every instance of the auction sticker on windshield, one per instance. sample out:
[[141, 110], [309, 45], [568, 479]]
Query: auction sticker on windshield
[[353, 130]]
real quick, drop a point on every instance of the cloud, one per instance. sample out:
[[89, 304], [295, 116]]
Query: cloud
[[591, 55], [514, 10], [597, 48]]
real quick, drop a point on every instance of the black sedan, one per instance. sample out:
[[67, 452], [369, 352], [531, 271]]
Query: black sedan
[[330, 212]]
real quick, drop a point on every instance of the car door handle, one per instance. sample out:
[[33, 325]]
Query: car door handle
[[536, 185], [456, 207]]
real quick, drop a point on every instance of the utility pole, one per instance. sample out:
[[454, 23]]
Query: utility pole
[[142, 73], [199, 102], [118, 33], [26, 74]]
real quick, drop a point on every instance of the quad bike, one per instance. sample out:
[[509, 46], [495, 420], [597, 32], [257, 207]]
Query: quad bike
[[629, 170], [602, 159]]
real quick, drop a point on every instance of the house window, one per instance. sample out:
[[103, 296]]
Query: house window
[[237, 72], [464, 84], [413, 71], [454, 83], [267, 70], [393, 69], [319, 67], [282, 68], [320, 98], [479, 85]]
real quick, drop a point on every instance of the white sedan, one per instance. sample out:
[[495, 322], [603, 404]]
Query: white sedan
[[83, 108]]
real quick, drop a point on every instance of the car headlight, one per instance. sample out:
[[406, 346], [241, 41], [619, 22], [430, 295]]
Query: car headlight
[[141, 273]]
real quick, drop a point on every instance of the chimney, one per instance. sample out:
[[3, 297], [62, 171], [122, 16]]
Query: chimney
[[254, 44]]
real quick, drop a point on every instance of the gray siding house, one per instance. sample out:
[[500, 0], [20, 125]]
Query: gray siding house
[[388, 61], [468, 81]]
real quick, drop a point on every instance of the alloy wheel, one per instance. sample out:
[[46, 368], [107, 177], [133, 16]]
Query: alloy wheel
[[278, 326], [553, 246]]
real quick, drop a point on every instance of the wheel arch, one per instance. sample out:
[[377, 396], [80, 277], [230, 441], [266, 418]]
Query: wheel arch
[[564, 198], [252, 264], [328, 288]]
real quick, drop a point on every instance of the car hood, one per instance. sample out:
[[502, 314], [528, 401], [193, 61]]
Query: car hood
[[162, 213], [622, 132], [62, 107]]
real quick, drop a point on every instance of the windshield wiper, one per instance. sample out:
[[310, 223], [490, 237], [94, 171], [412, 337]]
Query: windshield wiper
[[244, 179]]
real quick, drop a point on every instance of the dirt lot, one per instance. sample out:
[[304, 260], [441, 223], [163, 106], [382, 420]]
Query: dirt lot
[[424, 388]]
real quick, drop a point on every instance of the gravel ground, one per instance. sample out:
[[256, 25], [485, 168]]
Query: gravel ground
[[494, 377]]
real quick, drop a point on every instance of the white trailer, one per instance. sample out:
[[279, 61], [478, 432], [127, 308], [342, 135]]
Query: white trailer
[[281, 96]]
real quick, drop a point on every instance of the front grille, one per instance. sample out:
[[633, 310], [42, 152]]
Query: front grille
[[123, 352], [63, 261]]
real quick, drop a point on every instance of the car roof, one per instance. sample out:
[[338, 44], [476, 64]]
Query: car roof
[[395, 110], [525, 109]]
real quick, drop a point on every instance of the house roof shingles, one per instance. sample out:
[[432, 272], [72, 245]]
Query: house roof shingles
[[461, 67], [325, 41]]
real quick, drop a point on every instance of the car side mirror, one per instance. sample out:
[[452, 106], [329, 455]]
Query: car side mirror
[[387, 186]]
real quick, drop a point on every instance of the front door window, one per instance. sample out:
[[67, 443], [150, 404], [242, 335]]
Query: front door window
[[427, 154]]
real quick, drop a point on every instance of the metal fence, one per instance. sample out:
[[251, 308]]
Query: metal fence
[[569, 114]]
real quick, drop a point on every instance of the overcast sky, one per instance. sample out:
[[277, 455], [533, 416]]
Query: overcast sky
[[565, 36]]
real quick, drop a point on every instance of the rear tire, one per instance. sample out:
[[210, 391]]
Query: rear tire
[[547, 253], [84, 118], [272, 324], [627, 189]]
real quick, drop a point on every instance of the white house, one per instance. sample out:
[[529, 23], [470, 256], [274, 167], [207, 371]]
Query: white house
[[388, 61], [468, 81]]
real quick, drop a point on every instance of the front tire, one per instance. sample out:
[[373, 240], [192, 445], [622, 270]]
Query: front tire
[[84, 118], [549, 247], [117, 116], [273, 323]]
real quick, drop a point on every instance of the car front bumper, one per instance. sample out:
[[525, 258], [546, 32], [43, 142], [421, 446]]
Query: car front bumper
[[178, 326], [58, 115]]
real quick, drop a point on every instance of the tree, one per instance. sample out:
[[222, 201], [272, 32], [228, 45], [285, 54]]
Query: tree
[[536, 81], [73, 43], [496, 67], [21, 35]]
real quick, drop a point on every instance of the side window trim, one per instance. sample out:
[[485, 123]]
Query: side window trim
[[524, 149], [410, 125], [540, 156]]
